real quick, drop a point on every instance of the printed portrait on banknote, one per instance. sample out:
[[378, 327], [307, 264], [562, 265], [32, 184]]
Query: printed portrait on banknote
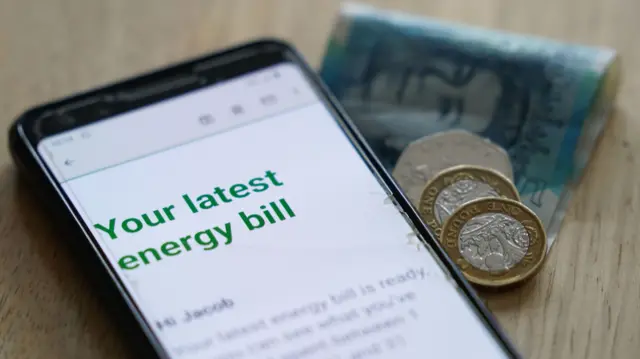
[[428, 95]]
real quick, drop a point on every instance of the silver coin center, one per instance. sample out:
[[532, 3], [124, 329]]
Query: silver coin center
[[459, 193], [493, 242]]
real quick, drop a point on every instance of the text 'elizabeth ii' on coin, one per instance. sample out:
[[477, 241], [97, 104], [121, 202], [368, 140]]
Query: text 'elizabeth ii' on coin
[[456, 186], [496, 242]]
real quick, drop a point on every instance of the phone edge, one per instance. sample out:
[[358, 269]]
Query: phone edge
[[141, 330]]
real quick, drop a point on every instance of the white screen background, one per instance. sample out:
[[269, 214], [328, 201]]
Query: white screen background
[[345, 236]]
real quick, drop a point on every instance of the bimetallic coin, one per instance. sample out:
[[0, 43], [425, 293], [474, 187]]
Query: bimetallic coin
[[423, 159], [456, 186], [496, 242]]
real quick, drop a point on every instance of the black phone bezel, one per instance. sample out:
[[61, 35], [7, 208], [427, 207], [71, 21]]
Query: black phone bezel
[[178, 79]]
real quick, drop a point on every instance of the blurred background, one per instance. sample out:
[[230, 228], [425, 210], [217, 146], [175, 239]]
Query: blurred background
[[584, 304]]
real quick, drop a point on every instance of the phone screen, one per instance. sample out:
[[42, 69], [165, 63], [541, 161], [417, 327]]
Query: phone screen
[[244, 223]]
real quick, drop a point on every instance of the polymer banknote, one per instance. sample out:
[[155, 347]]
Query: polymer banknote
[[402, 77]]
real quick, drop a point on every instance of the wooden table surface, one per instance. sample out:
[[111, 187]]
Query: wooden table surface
[[584, 304]]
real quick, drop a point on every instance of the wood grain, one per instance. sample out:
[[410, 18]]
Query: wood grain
[[584, 304]]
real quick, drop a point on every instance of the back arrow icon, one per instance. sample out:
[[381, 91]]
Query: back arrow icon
[[68, 162]]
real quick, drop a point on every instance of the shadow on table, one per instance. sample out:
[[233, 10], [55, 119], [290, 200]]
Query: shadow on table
[[48, 307], [596, 207], [611, 163]]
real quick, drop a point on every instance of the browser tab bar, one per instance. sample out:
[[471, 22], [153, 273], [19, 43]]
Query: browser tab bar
[[197, 114]]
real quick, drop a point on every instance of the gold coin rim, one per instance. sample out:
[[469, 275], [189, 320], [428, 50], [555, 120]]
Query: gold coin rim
[[430, 219], [538, 251]]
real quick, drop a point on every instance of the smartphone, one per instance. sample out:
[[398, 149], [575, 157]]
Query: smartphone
[[226, 208]]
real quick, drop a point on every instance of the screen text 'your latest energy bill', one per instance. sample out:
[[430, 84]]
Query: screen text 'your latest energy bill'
[[273, 240]]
